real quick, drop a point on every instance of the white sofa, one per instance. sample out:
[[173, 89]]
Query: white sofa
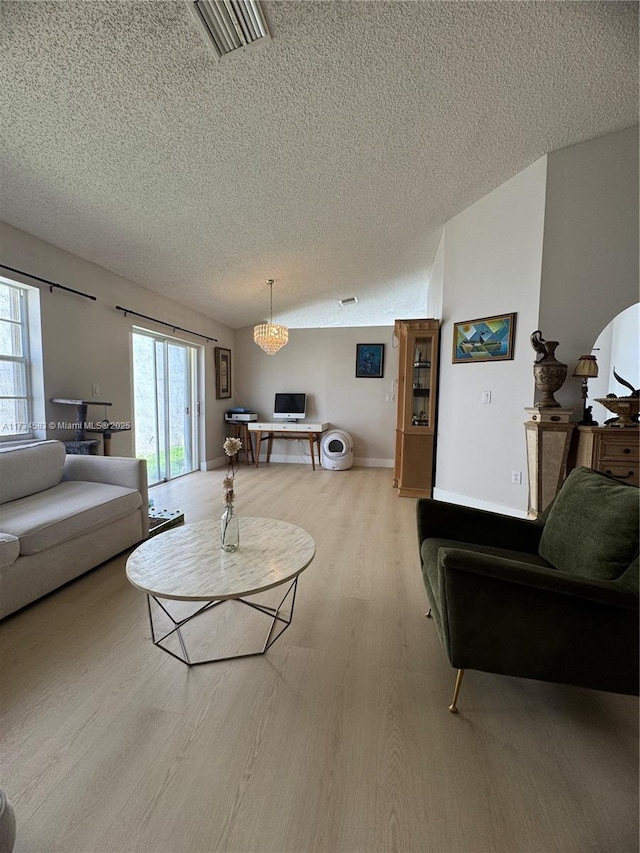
[[62, 515]]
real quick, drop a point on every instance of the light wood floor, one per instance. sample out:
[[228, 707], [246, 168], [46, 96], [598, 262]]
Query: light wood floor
[[337, 740]]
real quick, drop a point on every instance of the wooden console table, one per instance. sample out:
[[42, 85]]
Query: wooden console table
[[268, 431], [613, 450], [240, 429]]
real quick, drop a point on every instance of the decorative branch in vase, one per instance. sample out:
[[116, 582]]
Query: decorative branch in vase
[[229, 526]]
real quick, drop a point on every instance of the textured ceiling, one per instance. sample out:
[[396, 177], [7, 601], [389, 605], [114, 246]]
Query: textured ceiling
[[328, 159]]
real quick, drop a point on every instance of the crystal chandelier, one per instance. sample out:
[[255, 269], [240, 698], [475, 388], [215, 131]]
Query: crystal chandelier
[[270, 336]]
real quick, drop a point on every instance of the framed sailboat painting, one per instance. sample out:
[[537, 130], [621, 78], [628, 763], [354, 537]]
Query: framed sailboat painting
[[486, 339]]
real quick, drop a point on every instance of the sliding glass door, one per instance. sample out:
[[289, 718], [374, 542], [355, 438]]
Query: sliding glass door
[[165, 382]]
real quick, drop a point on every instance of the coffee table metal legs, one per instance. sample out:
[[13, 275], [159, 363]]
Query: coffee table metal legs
[[273, 613]]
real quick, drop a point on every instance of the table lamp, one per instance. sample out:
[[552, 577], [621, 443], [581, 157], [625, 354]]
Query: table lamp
[[586, 368]]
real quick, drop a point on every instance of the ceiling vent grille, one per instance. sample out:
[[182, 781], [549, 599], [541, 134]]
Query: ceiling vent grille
[[350, 300], [228, 25]]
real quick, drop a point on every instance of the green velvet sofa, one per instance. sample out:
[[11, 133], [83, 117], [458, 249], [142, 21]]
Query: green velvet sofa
[[554, 599]]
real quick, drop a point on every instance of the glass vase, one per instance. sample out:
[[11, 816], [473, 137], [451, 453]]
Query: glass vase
[[229, 529]]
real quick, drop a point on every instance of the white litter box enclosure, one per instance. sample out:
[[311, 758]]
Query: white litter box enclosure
[[336, 450]]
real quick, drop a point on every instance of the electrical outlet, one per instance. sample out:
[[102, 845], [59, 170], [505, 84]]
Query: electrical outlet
[[390, 398], [95, 389], [486, 396], [516, 478]]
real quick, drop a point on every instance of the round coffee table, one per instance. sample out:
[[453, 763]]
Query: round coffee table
[[188, 564]]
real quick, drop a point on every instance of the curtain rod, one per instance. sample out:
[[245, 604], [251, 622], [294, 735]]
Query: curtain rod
[[163, 323], [51, 284]]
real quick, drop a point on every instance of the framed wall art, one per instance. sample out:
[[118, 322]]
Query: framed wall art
[[369, 361], [486, 339], [223, 373]]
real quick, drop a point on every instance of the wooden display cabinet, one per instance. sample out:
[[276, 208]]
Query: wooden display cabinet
[[417, 399]]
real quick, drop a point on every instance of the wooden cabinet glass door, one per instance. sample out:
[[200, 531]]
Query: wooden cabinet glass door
[[419, 399], [417, 392]]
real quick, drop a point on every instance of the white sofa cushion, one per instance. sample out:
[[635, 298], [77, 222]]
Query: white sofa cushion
[[27, 470], [65, 511], [9, 549]]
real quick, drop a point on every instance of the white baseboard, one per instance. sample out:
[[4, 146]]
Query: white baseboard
[[293, 459], [476, 503], [210, 464], [360, 462], [367, 462]]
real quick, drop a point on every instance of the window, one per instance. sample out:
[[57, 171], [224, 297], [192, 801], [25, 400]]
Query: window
[[165, 379], [16, 411]]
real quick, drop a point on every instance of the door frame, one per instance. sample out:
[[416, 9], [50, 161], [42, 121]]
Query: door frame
[[194, 362]]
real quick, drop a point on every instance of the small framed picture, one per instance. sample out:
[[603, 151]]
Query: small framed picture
[[369, 361], [223, 373], [487, 339]]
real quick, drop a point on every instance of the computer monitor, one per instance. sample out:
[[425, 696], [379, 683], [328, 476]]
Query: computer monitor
[[289, 407]]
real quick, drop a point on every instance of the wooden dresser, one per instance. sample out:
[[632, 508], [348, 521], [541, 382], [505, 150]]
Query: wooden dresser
[[610, 450]]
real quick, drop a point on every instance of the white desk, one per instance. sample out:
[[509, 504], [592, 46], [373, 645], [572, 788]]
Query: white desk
[[285, 429]]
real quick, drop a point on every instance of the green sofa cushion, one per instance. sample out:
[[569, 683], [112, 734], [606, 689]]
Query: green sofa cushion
[[592, 527]]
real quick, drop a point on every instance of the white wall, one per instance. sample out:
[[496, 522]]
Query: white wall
[[492, 263], [435, 289], [590, 256], [616, 348], [625, 350], [86, 342], [321, 363]]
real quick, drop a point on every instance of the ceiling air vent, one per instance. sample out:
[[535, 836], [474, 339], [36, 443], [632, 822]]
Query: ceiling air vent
[[230, 24], [350, 300]]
